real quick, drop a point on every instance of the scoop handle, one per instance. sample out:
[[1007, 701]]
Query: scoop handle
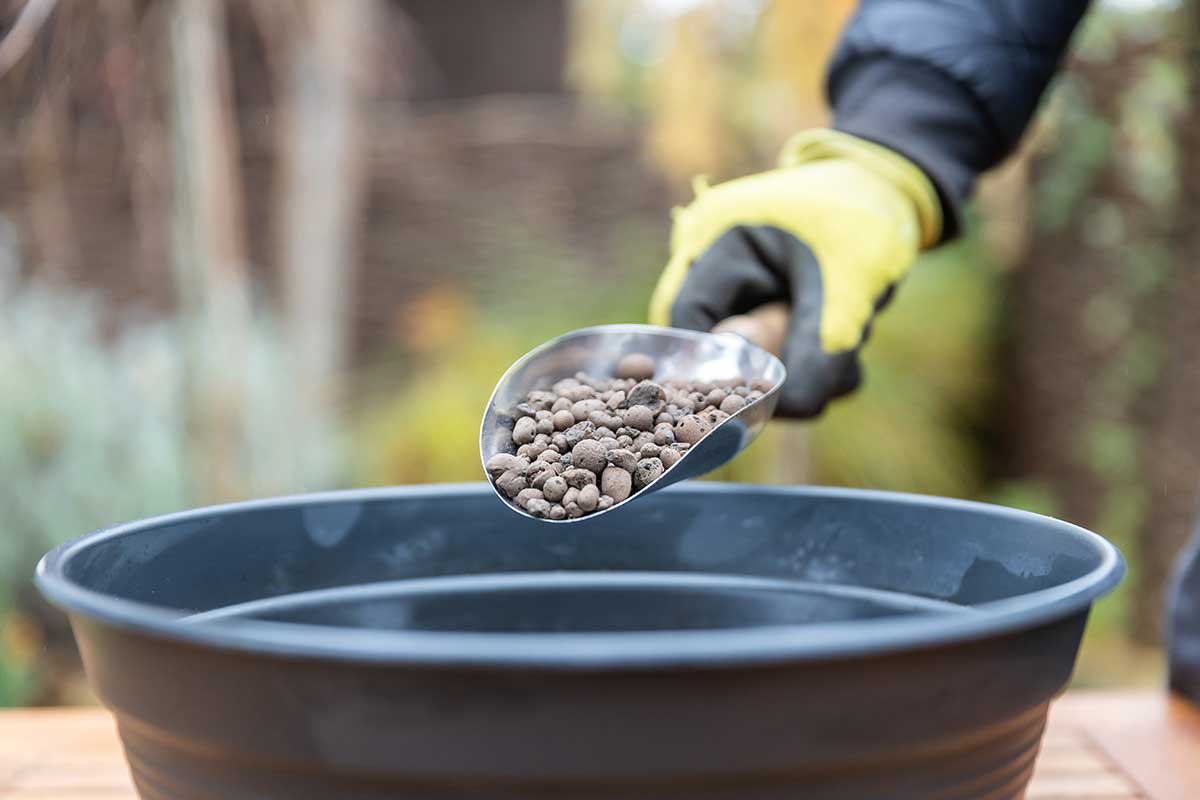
[[765, 326]]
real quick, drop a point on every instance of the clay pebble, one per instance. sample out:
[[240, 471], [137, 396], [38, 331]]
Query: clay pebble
[[635, 366], [617, 483]]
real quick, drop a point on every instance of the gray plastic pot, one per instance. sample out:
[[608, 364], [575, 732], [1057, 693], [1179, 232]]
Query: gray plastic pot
[[732, 642]]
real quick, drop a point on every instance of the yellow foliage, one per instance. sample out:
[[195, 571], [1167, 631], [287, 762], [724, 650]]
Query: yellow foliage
[[429, 430], [687, 130], [434, 319], [20, 637], [709, 94], [593, 60], [798, 36]]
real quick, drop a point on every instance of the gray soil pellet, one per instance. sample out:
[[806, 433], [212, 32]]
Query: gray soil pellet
[[590, 455], [642, 440], [579, 393], [648, 471], [635, 366], [639, 418], [542, 400], [648, 394], [691, 429], [579, 478], [589, 498], [500, 463], [664, 434], [716, 416], [603, 419], [525, 495], [733, 404], [511, 483], [583, 408], [678, 404], [524, 430], [617, 483], [577, 432], [589, 443], [649, 450], [554, 489], [623, 459]]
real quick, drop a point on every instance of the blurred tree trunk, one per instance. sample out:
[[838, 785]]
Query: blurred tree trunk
[[47, 156], [209, 242], [323, 77], [1174, 464], [1103, 370], [51, 221], [143, 140]]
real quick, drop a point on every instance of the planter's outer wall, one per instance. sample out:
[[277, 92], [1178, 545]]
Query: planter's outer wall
[[952, 715]]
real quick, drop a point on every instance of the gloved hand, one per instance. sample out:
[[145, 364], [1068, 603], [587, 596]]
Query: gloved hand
[[831, 232]]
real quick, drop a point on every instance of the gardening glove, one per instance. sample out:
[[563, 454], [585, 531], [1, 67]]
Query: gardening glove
[[830, 232]]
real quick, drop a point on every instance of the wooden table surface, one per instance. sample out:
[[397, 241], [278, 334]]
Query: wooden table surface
[[1099, 746]]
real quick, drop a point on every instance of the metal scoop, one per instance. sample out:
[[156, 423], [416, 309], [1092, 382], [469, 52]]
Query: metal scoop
[[740, 347]]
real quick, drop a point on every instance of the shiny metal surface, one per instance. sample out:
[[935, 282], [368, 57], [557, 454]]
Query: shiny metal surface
[[677, 353]]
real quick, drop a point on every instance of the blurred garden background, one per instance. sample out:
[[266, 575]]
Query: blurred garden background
[[268, 246]]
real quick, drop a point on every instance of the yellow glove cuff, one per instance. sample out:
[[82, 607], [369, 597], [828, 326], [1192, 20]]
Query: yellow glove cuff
[[907, 177]]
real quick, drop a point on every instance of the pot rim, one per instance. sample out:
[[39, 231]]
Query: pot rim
[[725, 648]]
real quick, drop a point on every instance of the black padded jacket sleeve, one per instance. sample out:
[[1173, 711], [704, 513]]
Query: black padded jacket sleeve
[[950, 84]]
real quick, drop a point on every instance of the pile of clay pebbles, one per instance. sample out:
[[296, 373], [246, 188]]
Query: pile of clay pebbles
[[588, 442]]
